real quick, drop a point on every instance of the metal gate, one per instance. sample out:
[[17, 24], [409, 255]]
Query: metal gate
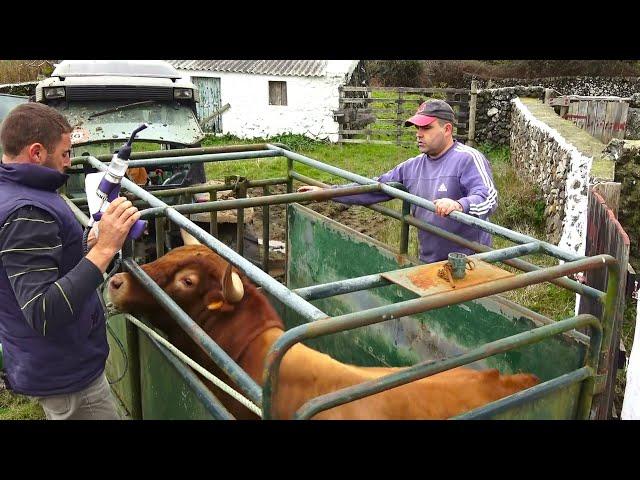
[[603, 117]]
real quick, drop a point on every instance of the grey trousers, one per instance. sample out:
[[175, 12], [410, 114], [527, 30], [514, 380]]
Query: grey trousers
[[95, 402]]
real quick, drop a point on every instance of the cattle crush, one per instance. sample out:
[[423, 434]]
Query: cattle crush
[[363, 302]]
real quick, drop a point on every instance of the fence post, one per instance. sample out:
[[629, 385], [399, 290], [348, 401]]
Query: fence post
[[340, 109], [399, 122], [471, 132]]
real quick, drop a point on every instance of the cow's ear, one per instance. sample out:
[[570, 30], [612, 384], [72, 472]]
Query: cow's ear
[[220, 306], [189, 239], [215, 305]]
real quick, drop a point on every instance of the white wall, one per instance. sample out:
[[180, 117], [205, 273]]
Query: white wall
[[309, 109]]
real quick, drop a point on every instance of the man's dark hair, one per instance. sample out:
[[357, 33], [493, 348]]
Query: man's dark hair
[[443, 122], [30, 123]]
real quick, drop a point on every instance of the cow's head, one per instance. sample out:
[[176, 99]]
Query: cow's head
[[215, 295]]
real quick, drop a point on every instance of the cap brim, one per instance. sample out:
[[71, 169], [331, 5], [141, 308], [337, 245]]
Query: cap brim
[[419, 120]]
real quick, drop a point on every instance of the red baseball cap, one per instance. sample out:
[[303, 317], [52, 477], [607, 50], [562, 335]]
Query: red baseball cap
[[428, 112]]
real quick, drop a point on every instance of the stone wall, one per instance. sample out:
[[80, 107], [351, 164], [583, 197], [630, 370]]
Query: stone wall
[[25, 88], [563, 160], [632, 131], [589, 86], [493, 112]]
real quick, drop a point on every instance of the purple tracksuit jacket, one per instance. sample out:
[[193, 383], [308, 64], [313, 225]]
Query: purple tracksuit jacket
[[462, 173]]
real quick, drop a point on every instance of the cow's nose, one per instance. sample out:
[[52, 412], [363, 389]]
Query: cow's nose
[[116, 282]]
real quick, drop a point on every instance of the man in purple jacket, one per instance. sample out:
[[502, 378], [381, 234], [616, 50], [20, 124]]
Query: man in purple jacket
[[52, 325], [451, 175]]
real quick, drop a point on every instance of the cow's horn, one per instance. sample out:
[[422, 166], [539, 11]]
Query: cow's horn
[[232, 288], [189, 239]]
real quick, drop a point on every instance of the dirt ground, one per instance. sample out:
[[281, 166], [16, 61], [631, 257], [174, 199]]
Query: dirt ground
[[351, 216]]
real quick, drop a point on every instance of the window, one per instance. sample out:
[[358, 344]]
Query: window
[[277, 93]]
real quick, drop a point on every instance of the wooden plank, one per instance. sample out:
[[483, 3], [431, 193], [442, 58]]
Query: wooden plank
[[620, 120], [378, 131], [373, 100], [605, 235], [610, 193], [399, 116], [406, 89]]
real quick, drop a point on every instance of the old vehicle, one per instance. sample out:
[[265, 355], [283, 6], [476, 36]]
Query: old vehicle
[[105, 100]]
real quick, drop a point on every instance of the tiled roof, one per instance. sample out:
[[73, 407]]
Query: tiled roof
[[296, 68]]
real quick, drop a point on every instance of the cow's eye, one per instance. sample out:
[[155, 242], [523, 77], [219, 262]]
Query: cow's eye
[[187, 281]]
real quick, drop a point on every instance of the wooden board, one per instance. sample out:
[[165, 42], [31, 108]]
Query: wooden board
[[425, 281]]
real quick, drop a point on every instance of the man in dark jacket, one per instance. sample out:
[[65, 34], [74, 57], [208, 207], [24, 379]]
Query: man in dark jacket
[[52, 325]]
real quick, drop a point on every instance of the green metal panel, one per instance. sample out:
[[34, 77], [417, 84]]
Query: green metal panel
[[210, 101], [119, 361], [164, 393], [562, 404], [321, 251]]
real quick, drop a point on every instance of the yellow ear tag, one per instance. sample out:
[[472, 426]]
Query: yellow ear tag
[[215, 305]]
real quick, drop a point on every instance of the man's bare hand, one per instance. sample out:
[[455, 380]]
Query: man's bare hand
[[115, 224], [309, 188], [444, 206], [92, 238]]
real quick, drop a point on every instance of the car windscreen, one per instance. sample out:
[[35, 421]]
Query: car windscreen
[[109, 121], [7, 102]]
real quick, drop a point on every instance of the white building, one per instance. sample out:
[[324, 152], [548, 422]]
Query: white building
[[269, 97]]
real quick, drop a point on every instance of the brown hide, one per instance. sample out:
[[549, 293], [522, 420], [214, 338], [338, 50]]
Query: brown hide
[[138, 175], [192, 276]]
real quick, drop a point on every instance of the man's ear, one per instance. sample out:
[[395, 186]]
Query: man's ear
[[36, 152]]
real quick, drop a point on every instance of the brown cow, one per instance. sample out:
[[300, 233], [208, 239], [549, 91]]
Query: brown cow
[[241, 321]]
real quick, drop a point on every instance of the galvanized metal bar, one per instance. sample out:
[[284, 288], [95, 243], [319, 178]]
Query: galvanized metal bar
[[538, 318], [427, 204], [238, 376], [527, 396], [181, 152], [279, 291], [608, 322], [342, 286], [260, 201], [241, 193], [507, 253], [213, 218], [201, 189], [160, 233], [265, 232], [184, 159], [478, 247], [404, 228], [290, 176], [429, 368], [408, 307], [209, 401], [213, 157], [79, 214]]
